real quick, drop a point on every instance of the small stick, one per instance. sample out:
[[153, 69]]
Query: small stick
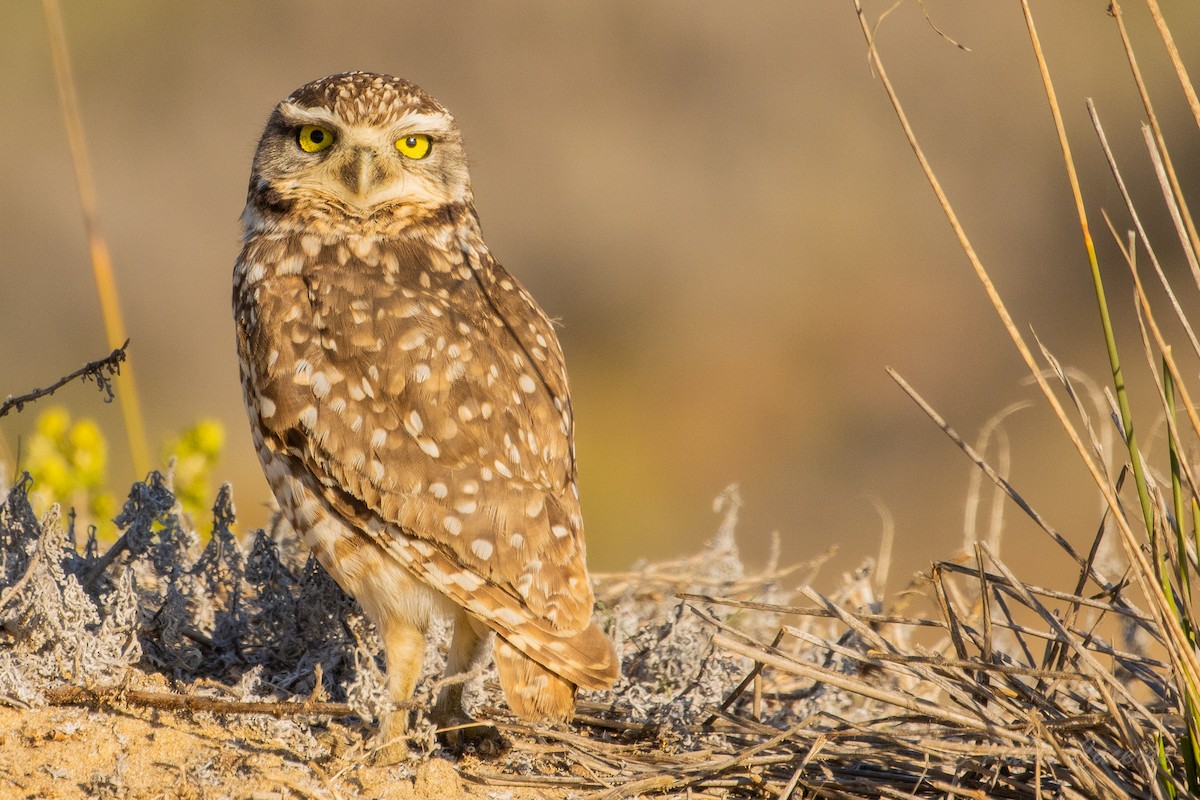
[[809, 611], [99, 371], [741, 687], [165, 701]]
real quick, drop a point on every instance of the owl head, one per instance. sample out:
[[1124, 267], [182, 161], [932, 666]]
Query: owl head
[[353, 147]]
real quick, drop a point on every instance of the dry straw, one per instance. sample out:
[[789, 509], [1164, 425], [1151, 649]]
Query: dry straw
[[102, 271]]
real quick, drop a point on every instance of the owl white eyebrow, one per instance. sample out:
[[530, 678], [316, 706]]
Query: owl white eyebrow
[[298, 115], [419, 122]]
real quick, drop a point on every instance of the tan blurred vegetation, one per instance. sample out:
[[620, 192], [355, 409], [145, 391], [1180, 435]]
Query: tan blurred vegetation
[[715, 200]]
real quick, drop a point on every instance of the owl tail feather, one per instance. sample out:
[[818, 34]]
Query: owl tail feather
[[535, 692]]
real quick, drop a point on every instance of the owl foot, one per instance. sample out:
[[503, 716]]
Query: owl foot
[[461, 733], [390, 744]]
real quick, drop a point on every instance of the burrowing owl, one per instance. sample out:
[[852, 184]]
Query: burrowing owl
[[408, 397]]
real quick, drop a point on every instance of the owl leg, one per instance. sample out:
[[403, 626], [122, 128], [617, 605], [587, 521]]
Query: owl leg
[[403, 649], [469, 648]]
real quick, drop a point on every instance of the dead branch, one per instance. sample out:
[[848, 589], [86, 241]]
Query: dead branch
[[102, 372], [165, 701]]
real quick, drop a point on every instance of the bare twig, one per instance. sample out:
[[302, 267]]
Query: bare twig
[[102, 372], [165, 701]]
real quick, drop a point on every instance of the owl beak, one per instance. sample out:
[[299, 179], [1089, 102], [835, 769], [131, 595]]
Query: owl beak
[[360, 173]]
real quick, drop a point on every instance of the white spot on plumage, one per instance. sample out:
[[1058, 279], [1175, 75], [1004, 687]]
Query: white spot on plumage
[[429, 446], [291, 264], [535, 505], [362, 247], [465, 506], [482, 549], [413, 423], [526, 383], [266, 407], [453, 526], [411, 339], [512, 618], [560, 531], [320, 384], [378, 438], [502, 468], [421, 373], [438, 489], [467, 580], [308, 417], [311, 245]]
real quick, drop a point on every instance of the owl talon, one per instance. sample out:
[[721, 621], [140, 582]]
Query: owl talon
[[459, 736]]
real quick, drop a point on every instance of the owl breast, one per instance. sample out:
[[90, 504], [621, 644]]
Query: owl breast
[[401, 393]]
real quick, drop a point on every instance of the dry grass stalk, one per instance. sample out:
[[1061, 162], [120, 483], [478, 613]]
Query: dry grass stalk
[[102, 271]]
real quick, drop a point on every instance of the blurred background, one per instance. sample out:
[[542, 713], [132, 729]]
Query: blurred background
[[716, 201]]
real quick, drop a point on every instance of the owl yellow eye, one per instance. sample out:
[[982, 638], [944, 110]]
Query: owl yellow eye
[[313, 139], [417, 145]]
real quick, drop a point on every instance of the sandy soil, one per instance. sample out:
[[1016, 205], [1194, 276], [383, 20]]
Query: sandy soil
[[66, 752]]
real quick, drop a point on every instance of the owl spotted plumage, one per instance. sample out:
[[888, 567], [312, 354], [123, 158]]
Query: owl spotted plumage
[[408, 398]]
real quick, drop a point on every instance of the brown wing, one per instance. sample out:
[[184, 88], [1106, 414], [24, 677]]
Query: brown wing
[[421, 393]]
